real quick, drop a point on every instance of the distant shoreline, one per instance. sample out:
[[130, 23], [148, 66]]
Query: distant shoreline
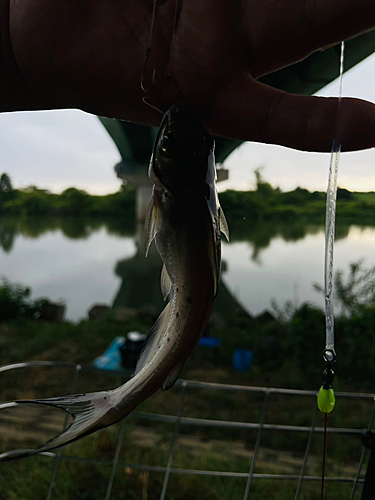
[[262, 204]]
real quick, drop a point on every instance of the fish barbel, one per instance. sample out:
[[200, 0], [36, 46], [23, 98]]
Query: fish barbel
[[184, 219]]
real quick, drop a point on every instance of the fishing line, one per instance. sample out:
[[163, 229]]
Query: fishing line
[[329, 352], [147, 54], [169, 75], [146, 100], [172, 39], [326, 397], [324, 454], [152, 23]]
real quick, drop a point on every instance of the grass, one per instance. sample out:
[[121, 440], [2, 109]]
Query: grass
[[75, 480], [206, 448], [147, 442]]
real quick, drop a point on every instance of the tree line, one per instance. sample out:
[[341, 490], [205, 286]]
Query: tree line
[[265, 202], [71, 202]]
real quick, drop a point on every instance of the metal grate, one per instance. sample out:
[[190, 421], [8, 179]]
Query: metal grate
[[178, 420]]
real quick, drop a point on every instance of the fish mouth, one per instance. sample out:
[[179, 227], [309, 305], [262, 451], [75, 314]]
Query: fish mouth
[[181, 112], [183, 121], [182, 168]]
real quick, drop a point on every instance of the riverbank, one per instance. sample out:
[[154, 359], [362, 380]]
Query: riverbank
[[262, 204], [287, 353], [148, 442], [286, 345]]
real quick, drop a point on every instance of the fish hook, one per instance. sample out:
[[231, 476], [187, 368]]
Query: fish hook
[[147, 55], [144, 99]]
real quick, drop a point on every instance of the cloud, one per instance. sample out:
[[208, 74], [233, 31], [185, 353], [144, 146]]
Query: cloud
[[58, 149]]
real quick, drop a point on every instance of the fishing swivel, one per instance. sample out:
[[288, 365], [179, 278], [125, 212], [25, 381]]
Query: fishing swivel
[[329, 355], [328, 375], [326, 396]]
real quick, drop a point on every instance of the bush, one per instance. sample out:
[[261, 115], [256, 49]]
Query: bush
[[13, 299], [344, 194], [304, 340], [31, 201], [15, 302], [298, 197], [74, 201]]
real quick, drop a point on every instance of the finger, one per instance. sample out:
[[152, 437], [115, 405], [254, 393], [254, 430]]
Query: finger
[[286, 32], [252, 111]]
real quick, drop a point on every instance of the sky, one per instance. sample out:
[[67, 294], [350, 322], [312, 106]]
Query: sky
[[55, 150], [287, 168]]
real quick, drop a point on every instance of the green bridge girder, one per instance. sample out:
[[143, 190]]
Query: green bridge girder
[[135, 142]]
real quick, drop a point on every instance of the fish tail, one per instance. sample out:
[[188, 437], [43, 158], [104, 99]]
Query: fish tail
[[90, 412]]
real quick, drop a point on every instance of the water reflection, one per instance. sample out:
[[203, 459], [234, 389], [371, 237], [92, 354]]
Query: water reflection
[[81, 260], [140, 285], [8, 232], [259, 234], [140, 281], [75, 228]]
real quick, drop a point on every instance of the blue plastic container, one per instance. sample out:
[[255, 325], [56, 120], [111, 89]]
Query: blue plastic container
[[111, 357], [209, 342], [242, 360]]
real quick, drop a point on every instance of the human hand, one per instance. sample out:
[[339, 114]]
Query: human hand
[[90, 55]]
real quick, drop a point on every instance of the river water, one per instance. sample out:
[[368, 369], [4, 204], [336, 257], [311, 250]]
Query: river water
[[82, 262]]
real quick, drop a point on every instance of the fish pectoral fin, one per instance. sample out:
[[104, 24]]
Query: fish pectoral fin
[[165, 282], [90, 412], [223, 224], [153, 338], [151, 224], [173, 375]]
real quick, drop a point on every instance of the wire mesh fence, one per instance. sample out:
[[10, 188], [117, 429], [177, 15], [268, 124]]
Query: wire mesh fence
[[243, 441]]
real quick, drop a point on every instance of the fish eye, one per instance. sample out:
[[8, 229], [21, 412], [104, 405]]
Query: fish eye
[[165, 143]]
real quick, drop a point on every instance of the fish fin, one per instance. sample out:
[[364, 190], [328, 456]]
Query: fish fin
[[165, 282], [223, 224], [153, 338], [151, 224], [214, 263], [212, 199], [173, 375], [90, 412]]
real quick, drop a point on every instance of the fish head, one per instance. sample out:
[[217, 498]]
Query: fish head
[[181, 152]]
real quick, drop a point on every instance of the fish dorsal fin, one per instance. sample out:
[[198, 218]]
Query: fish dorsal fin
[[216, 219], [153, 338], [223, 224], [151, 224], [165, 283], [214, 257], [173, 375]]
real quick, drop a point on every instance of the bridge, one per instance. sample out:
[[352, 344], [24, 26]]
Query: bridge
[[135, 142]]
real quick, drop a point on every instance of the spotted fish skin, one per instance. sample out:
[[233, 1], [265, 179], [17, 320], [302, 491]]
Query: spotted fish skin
[[184, 219]]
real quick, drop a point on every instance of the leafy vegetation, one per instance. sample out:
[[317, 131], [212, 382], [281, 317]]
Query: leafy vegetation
[[268, 203], [264, 203], [71, 202], [287, 353], [287, 350], [15, 301]]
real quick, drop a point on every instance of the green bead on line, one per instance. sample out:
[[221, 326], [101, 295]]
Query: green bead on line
[[326, 400]]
